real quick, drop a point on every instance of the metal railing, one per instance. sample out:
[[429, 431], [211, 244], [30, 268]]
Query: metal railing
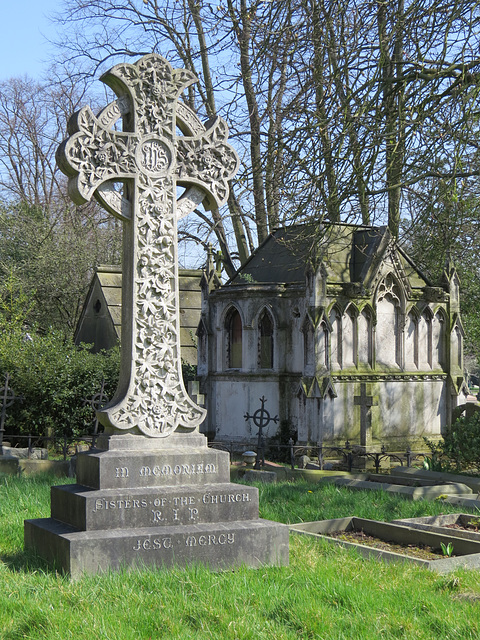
[[290, 452], [68, 446], [62, 445]]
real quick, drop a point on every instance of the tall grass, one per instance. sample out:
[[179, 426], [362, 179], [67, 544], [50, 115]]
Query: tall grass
[[326, 592], [303, 502]]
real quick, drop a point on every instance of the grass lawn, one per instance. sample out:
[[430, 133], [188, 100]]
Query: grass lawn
[[325, 593]]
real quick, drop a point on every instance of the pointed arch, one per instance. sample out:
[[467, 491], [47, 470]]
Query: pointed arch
[[390, 304], [308, 331], [391, 289], [456, 341], [266, 339], [439, 342], [425, 339], [234, 338], [323, 344], [365, 336], [350, 336], [411, 338], [336, 341], [202, 347]]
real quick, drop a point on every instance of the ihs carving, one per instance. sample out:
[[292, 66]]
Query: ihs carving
[[151, 159]]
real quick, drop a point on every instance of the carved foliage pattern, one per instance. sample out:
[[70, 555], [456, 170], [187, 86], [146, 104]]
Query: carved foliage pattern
[[156, 401], [98, 154], [208, 160]]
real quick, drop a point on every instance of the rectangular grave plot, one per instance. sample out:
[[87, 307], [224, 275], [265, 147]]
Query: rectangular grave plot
[[466, 552], [460, 525]]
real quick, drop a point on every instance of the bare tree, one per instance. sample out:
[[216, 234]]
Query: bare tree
[[47, 244], [337, 108], [390, 83], [220, 45]]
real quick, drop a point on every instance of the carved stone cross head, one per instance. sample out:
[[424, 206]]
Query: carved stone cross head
[[149, 159]]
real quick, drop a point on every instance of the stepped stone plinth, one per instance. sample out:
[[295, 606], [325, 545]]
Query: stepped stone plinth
[[167, 507]]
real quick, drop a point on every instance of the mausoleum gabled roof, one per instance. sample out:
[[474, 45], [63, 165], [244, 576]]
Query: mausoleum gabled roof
[[349, 254], [101, 317]]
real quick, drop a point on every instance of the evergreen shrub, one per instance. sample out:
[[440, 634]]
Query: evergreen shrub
[[462, 442], [56, 379]]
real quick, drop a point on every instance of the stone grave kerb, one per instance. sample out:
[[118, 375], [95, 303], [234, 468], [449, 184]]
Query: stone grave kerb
[[162, 146]]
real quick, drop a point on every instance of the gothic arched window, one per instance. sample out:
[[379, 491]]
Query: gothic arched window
[[234, 339], [336, 340], [412, 339], [364, 337], [425, 339], [308, 343], [458, 346], [349, 337], [265, 341], [438, 334], [389, 330], [322, 346], [202, 348]]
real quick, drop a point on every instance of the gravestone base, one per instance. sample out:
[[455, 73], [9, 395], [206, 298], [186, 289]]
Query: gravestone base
[[155, 502]]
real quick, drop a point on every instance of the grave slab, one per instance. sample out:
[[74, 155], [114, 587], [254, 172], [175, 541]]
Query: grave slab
[[440, 524], [253, 543], [429, 492], [438, 476]]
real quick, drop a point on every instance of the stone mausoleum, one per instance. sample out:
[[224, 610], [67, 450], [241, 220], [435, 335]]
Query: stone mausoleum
[[100, 323], [340, 336]]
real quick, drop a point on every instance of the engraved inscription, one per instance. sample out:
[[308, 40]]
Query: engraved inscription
[[147, 544], [157, 516], [154, 156], [178, 470], [172, 509], [221, 498], [156, 544], [102, 504], [193, 513], [211, 539], [121, 472]]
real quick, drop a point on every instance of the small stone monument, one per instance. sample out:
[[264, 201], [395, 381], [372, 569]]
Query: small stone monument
[[151, 492]]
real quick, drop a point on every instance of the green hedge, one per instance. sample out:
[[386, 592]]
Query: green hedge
[[55, 379]]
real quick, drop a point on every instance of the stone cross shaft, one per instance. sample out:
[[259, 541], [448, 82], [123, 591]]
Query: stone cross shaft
[[134, 173], [365, 402]]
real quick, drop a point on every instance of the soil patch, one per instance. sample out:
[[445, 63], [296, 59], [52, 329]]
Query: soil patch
[[464, 526], [416, 551]]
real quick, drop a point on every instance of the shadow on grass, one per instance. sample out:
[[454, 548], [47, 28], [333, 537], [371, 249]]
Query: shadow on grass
[[28, 562]]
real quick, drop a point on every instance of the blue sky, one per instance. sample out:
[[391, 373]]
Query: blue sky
[[24, 49]]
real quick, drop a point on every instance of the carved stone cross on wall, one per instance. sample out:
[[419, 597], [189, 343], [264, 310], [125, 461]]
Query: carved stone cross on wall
[[149, 159], [365, 402]]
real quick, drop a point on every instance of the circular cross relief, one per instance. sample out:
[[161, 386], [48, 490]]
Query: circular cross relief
[[154, 156]]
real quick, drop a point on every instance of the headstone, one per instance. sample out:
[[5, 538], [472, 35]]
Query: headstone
[[8, 398], [152, 493], [365, 402]]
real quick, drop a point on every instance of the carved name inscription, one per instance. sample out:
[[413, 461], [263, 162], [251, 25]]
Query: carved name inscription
[[178, 470], [170, 510], [157, 544]]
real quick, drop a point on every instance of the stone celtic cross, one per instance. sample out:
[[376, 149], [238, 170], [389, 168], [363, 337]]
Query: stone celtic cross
[[135, 173]]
